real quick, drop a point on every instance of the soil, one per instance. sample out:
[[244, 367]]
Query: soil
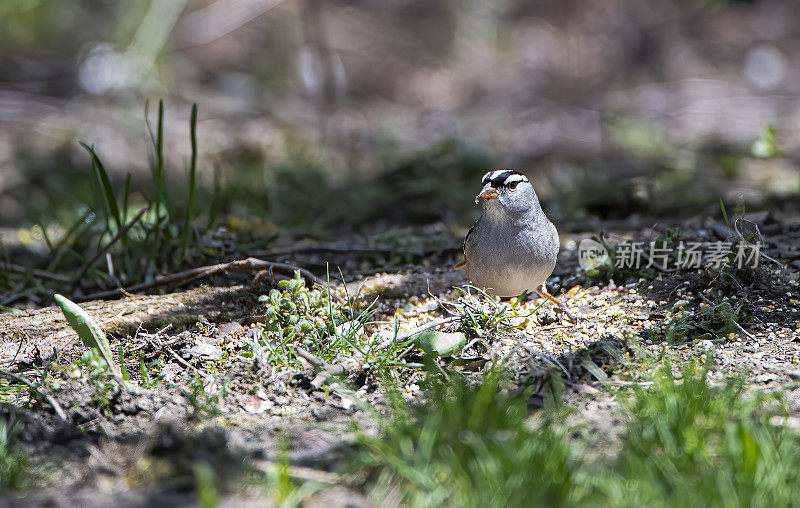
[[135, 447]]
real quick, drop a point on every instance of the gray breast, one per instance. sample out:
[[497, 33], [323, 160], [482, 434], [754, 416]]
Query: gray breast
[[507, 260]]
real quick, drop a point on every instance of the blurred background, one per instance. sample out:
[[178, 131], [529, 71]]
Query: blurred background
[[326, 117]]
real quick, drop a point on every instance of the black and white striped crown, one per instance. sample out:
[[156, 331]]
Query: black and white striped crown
[[503, 178]]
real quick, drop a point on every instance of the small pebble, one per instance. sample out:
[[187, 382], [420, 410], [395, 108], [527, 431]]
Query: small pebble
[[705, 345]]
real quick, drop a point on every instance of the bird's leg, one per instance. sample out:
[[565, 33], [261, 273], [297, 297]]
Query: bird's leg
[[547, 296]]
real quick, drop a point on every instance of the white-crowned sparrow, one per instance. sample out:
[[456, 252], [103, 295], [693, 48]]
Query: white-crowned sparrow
[[513, 247]]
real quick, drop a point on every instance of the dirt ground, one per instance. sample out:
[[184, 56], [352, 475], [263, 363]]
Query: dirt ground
[[138, 446]]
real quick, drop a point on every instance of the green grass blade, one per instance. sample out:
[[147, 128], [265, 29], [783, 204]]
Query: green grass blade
[[122, 366], [187, 230], [125, 201], [125, 198], [110, 200], [724, 213], [143, 372], [158, 169], [205, 486], [87, 329], [46, 238]]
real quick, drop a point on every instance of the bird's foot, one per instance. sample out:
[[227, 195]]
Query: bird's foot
[[560, 305]]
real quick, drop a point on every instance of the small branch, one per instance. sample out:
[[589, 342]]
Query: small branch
[[741, 329], [161, 346], [187, 276], [185, 363], [548, 360], [324, 369], [316, 362], [630, 383], [333, 249], [49, 398], [41, 274], [676, 288], [326, 374], [156, 335]]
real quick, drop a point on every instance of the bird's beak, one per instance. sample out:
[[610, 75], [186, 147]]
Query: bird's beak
[[488, 192]]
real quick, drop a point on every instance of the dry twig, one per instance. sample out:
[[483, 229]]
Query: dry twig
[[49, 398], [324, 369], [334, 249], [41, 274], [187, 276]]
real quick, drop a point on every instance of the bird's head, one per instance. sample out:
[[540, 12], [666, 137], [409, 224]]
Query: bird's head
[[507, 192]]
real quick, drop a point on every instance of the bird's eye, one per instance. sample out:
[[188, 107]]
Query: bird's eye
[[513, 185]]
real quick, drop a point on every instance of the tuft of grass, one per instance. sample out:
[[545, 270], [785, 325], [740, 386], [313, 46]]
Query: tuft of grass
[[687, 442], [472, 446], [690, 442], [11, 393], [137, 238], [715, 322], [314, 320], [92, 367], [150, 374], [14, 462], [483, 313], [204, 396]]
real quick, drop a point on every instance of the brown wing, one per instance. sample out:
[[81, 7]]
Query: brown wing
[[463, 263]]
